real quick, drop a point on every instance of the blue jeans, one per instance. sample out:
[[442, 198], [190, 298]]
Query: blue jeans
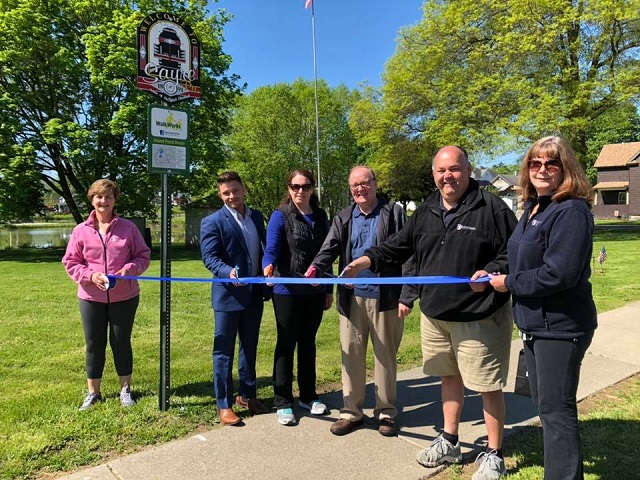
[[554, 373], [245, 324]]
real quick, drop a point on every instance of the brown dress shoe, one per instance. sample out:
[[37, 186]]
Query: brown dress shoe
[[227, 417], [387, 427], [343, 426], [252, 404]]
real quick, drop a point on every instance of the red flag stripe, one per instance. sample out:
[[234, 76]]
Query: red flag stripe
[[308, 3]]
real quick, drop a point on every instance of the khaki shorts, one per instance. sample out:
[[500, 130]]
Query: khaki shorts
[[478, 350]]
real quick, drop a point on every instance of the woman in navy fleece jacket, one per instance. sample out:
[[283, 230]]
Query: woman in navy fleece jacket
[[549, 263]]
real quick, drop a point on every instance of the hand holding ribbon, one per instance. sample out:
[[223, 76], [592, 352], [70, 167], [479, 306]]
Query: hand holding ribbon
[[268, 272]]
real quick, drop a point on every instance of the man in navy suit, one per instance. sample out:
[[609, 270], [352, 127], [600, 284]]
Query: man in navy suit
[[232, 242]]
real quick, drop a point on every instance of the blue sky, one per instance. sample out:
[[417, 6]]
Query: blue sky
[[271, 41]]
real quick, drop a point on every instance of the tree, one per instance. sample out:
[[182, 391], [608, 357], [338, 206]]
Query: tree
[[21, 193], [274, 133], [506, 168], [71, 109], [400, 159], [495, 75]]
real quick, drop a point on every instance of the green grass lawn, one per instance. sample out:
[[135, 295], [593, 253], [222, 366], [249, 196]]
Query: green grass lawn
[[42, 378]]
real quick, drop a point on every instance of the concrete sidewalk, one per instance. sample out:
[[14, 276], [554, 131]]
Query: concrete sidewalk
[[266, 450]]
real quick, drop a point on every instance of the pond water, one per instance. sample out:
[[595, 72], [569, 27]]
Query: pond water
[[59, 237], [34, 237]]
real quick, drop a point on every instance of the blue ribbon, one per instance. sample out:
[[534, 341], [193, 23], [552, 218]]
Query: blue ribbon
[[423, 280]]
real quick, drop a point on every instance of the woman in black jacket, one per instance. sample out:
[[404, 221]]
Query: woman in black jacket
[[549, 268], [295, 234]]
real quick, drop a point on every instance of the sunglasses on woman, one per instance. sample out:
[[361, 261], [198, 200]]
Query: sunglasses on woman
[[305, 188], [551, 166]]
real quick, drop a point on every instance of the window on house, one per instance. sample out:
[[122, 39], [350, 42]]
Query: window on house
[[614, 197]]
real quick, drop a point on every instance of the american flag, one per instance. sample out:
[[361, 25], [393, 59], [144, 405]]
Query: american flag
[[603, 255]]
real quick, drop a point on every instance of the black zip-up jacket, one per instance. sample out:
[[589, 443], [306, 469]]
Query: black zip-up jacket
[[302, 245], [338, 244], [474, 240], [549, 260]]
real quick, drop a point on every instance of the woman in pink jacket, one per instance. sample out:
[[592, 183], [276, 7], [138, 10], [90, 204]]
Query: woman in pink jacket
[[104, 245]]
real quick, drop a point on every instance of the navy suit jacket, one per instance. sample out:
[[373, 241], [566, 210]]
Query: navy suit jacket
[[222, 246]]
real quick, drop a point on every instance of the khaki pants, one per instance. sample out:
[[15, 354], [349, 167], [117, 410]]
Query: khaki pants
[[386, 330], [477, 350]]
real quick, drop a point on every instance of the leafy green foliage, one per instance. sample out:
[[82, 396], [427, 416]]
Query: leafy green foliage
[[73, 112], [494, 75], [274, 132], [506, 168], [399, 155]]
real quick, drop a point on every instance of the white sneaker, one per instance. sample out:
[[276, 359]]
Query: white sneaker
[[90, 401], [286, 416], [316, 407], [439, 452], [126, 399], [491, 466]]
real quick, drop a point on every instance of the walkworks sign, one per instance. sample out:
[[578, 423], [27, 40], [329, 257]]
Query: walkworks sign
[[168, 58], [169, 151]]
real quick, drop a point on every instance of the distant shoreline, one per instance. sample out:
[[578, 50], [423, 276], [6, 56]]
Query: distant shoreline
[[15, 226]]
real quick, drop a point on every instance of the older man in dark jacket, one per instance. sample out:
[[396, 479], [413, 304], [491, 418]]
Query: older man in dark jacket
[[376, 310]]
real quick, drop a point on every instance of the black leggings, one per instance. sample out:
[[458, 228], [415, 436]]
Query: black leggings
[[118, 317], [298, 318]]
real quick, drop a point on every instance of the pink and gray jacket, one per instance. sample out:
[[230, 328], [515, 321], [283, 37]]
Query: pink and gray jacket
[[87, 252]]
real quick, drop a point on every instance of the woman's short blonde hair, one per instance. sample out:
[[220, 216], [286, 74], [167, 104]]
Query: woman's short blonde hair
[[102, 187]]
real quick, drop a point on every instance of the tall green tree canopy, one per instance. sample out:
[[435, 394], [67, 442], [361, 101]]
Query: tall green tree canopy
[[401, 159], [495, 75], [274, 132], [71, 112]]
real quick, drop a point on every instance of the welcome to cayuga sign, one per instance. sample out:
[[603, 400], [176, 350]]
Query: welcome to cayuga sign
[[168, 58]]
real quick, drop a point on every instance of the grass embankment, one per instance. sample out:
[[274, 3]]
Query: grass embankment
[[42, 379], [610, 430]]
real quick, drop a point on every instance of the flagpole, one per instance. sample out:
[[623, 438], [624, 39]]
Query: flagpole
[[315, 86]]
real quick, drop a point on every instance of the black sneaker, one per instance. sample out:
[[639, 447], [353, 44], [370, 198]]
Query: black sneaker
[[90, 401]]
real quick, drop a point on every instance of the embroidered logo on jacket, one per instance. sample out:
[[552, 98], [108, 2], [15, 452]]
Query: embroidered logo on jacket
[[464, 227]]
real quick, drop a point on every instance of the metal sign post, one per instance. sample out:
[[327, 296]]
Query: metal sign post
[[169, 68], [168, 153], [165, 296]]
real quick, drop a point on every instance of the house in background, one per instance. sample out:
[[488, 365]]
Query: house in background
[[484, 176], [506, 186], [617, 192]]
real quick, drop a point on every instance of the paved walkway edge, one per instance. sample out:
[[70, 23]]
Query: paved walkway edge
[[266, 450]]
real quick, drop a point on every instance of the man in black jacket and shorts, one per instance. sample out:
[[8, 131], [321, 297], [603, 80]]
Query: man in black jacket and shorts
[[459, 230]]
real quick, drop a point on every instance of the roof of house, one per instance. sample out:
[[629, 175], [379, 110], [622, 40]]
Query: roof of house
[[617, 154], [480, 173], [610, 185], [510, 180]]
